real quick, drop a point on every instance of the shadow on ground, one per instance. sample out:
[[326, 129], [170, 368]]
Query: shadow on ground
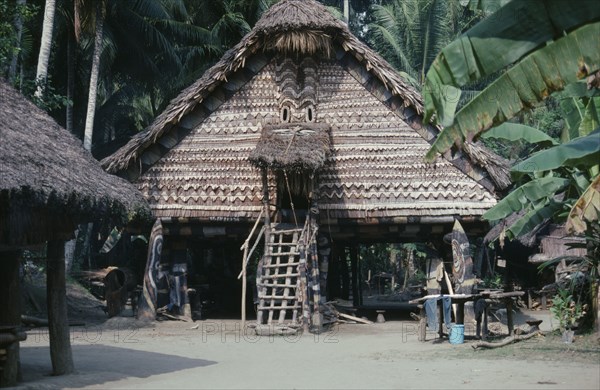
[[98, 364]]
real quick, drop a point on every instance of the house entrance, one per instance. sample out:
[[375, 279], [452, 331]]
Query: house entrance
[[214, 267], [293, 195]]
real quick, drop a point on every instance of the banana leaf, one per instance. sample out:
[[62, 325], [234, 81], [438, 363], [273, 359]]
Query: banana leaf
[[112, 240], [573, 110], [581, 152], [574, 100], [517, 132], [591, 117], [540, 74], [533, 218], [487, 6], [515, 30], [586, 209], [526, 194]]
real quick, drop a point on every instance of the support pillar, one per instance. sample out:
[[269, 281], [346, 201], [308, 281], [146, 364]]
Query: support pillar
[[356, 298], [10, 316], [58, 323]]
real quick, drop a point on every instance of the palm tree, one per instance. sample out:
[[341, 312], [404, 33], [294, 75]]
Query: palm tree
[[12, 71], [127, 39], [45, 46], [410, 33]]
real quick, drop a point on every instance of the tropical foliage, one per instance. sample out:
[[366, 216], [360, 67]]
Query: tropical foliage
[[410, 33]]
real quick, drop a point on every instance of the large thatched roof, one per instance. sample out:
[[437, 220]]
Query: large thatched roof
[[301, 65], [46, 174], [290, 26]]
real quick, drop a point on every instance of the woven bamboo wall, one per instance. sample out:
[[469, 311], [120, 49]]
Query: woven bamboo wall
[[376, 169]]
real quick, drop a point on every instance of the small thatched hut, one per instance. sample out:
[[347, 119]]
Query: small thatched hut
[[48, 184], [300, 119]]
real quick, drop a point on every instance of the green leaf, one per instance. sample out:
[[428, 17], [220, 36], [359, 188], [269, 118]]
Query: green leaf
[[586, 209], [545, 71], [511, 33], [112, 240], [591, 119], [573, 109], [516, 132], [487, 6], [532, 219], [581, 152], [526, 194]]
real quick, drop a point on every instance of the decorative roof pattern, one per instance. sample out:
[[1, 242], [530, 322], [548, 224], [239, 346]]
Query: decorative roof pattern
[[375, 170], [290, 26]]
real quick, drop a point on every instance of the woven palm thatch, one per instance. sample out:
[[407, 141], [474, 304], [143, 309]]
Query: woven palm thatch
[[46, 174], [302, 27], [302, 148], [298, 26]]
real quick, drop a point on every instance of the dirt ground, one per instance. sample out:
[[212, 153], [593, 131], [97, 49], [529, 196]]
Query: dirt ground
[[122, 353]]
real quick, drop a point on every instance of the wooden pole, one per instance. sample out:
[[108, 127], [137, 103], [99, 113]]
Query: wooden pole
[[58, 323], [244, 283], [354, 270], [259, 271], [10, 314]]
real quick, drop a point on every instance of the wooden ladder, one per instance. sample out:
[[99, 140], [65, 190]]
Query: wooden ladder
[[278, 282]]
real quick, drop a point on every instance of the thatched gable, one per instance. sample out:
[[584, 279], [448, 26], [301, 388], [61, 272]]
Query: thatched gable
[[47, 179], [193, 160], [298, 148]]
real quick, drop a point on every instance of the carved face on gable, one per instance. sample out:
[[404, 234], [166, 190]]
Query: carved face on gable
[[297, 82], [296, 140]]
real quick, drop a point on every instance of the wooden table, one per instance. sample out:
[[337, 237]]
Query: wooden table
[[508, 299], [456, 299]]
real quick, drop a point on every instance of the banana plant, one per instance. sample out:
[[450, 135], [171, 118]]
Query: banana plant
[[546, 45]]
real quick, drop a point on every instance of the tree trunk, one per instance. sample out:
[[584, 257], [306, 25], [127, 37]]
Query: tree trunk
[[12, 70], [10, 314], [71, 44], [346, 12], [58, 323], [45, 46], [93, 91]]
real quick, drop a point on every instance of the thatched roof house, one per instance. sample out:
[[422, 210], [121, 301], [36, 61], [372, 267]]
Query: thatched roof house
[[302, 115], [48, 182], [193, 160]]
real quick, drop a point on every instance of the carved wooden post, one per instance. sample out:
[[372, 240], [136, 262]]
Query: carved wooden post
[[147, 302], [58, 323]]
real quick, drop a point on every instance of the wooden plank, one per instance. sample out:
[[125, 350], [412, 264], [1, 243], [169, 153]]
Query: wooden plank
[[278, 308], [277, 285], [295, 274], [353, 318], [283, 265]]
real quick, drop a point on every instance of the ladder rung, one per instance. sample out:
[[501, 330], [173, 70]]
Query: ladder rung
[[282, 265], [279, 307], [277, 297], [275, 285], [286, 231], [281, 276], [282, 244], [284, 254]]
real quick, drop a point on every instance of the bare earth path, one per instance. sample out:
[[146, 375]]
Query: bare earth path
[[120, 354]]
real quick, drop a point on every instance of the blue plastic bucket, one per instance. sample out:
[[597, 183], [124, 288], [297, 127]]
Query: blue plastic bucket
[[457, 334]]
